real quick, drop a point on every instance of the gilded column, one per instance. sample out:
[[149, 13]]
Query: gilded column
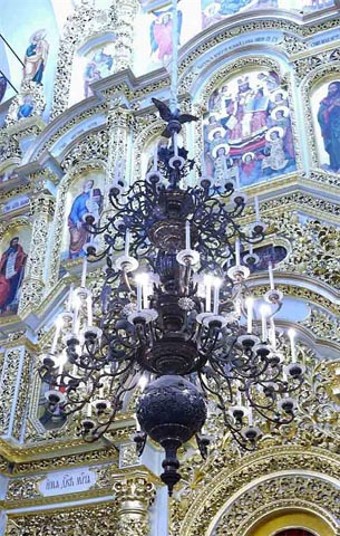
[[14, 363], [135, 494], [118, 123], [126, 13], [34, 283]]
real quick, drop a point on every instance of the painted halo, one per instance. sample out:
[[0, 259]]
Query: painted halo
[[219, 146], [283, 109], [214, 130], [279, 130], [249, 153], [278, 91]]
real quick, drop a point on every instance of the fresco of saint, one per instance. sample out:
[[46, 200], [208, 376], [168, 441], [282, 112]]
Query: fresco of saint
[[89, 201], [36, 57], [161, 34], [329, 121], [249, 126], [26, 107], [99, 66], [216, 10], [12, 266]]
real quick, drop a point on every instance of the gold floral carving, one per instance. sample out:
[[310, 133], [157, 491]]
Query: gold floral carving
[[33, 286], [303, 492], [76, 522], [86, 22], [217, 484]]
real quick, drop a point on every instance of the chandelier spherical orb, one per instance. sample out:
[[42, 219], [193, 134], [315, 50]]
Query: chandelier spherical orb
[[171, 410]]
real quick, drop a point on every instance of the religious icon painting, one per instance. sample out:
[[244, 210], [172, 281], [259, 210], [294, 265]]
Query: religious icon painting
[[92, 63], [36, 57], [325, 102], [84, 197], [14, 250], [248, 132], [161, 34]]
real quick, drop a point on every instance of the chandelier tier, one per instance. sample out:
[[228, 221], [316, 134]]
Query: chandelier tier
[[175, 319]]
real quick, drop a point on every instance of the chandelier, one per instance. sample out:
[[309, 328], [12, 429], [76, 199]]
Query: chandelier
[[174, 321]]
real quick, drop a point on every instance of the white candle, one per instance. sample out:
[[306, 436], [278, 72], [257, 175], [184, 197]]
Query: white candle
[[272, 333], [257, 208], [187, 235], [56, 335], [249, 305], [62, 361], [75, 325], [291, 335], [127, 243], [238, 186], [250, 416], [217, 285], [263, 311], [146, 293], [89, 311], [83, 274], [238, 252], [139, 296], [238, 394], [203, 166], [251, 249], [175, 144], [70, 296], [155, 158], [271, 275], [208, 293], [88, 410]]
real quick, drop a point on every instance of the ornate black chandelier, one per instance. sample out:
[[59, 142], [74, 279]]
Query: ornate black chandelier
[[174, 318], [174, 314]]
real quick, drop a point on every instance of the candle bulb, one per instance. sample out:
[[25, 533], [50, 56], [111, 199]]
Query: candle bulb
[[291, 335], [155, 158], [216, 295], [271, 275], [250, 416], [187, 235], [89, 410], [249, 305], [127, 242], [83, 274], [238, 252]]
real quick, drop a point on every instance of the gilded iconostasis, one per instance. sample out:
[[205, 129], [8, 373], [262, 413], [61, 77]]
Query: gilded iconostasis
[[77, 78]]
